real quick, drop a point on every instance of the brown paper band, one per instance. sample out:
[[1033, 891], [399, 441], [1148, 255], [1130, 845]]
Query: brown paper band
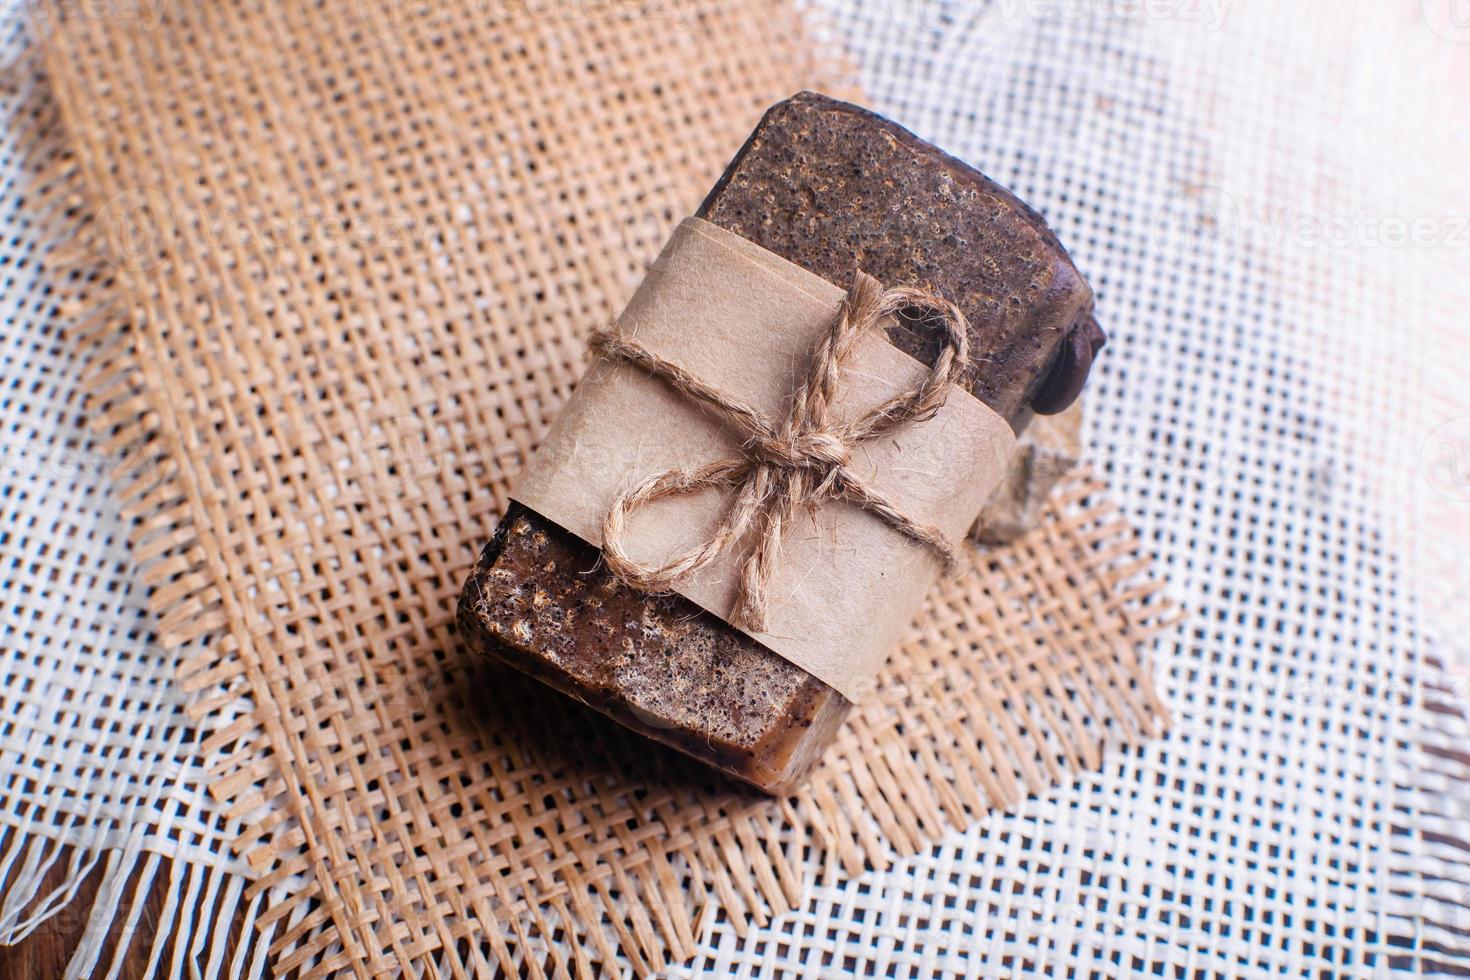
[[788, 466], [745, 320]]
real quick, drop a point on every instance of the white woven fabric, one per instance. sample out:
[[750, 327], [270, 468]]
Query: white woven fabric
[[1242, 183], [96, 751]]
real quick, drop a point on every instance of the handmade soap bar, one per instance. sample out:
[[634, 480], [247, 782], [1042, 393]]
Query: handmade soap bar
[[833, 188]]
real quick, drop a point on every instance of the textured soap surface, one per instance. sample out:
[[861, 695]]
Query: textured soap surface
[[833, 188]]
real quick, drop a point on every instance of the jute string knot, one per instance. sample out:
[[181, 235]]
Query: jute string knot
[[790, 464]]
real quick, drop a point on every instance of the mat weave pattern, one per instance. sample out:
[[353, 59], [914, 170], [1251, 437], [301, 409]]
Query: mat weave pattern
[[356, 261], [101, 779]]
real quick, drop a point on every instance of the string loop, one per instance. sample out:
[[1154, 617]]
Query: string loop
[[791, 464]]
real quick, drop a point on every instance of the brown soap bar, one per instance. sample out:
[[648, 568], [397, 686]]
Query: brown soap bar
[[833, 188]]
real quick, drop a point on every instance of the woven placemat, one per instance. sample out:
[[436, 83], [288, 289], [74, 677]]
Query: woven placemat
[[358, 248]]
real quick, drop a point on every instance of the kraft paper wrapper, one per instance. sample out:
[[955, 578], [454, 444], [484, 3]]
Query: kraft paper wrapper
[[746, 320]]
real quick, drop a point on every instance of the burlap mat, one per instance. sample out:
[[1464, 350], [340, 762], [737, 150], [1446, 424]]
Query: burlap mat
[[357, 250]]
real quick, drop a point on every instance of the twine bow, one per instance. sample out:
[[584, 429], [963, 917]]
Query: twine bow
[[788, 464]]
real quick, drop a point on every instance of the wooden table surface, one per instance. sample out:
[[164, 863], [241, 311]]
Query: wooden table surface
[[43, 954]]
